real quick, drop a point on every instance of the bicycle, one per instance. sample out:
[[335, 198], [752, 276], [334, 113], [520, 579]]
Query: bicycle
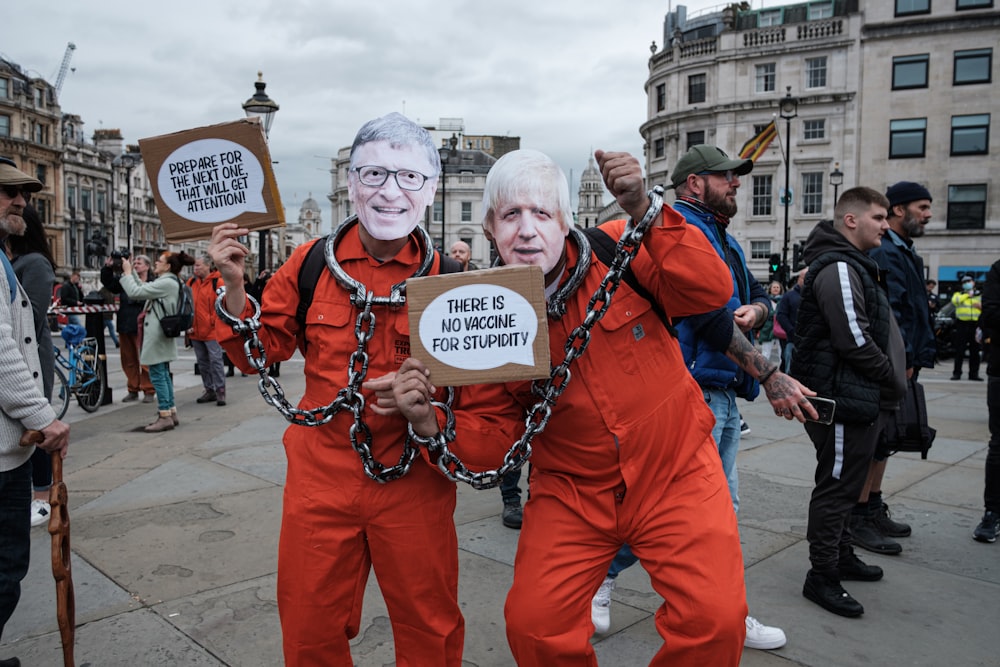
[[77, 372]]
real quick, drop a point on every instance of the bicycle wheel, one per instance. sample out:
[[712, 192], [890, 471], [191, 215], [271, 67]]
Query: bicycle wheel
[[60, 394], [90, 393]]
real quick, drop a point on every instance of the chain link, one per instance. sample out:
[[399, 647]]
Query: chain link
[[350, 397], [559, 377]]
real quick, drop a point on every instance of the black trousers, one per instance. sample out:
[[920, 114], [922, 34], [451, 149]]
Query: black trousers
[[965, 337], [843, 457], [991, 495]]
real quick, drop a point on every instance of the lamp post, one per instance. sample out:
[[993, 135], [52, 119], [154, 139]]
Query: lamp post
[[127, 161], [263, 107], [447, 155], [788, 110], [836, 180]]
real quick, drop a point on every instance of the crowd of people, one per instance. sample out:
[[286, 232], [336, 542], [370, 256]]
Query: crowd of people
[[630, 468]]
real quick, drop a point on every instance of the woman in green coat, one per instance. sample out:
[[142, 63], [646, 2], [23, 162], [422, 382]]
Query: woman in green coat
[[157, 349]]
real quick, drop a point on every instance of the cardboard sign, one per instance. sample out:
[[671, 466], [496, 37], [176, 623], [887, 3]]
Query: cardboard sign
[[219, 173], [480, 326]]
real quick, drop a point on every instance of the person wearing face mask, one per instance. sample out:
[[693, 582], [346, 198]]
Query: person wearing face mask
[[968, 307], [337, 522], [627, 456]]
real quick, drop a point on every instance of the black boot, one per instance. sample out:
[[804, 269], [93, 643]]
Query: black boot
[[868, 535], [853, 568], [826, 591]]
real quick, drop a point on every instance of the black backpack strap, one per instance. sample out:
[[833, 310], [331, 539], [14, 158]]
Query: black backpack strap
[[309, 273], [605, 247]]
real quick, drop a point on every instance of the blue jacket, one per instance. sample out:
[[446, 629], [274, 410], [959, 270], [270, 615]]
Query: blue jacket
[[904, 277], [711, 367]]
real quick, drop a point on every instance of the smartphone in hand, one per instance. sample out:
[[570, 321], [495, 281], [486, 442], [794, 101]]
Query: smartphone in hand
[[825, 407]]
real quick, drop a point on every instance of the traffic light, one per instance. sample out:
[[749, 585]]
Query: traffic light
[[797, 264], [774, 266]]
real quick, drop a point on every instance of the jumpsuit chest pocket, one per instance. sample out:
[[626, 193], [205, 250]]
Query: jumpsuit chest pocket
[[331, 330], [628, 325]]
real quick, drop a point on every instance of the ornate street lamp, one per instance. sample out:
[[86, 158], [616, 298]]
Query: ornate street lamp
[[788, 110], [836, 180], [447, 155], [263, 107]]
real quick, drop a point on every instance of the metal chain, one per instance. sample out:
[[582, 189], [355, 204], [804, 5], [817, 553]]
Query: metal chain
[[350, 397], [560, 376]]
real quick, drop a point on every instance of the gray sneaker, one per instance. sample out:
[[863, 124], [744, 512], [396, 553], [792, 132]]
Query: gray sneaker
[[512, 515], [988, 529]]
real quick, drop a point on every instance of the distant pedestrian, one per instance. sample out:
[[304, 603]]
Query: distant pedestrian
[[71, 295], [968, 305], [158, 351], [766, 336], [786, 314], [109, 322], [207, 350], [136, 375]]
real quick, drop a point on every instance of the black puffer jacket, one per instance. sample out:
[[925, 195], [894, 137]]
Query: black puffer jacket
[[847, 344], [128, 309]]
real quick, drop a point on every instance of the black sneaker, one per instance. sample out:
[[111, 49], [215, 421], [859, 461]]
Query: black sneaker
[[854, 569], [512, 515], [829, 594], [10, 662], [744, 427], [883, 519], [867, 535], [988, 529]]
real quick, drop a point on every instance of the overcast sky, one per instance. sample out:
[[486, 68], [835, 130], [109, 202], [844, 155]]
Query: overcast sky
[[566, 76]]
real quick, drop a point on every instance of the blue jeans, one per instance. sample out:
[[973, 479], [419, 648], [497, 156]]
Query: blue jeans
[[159, 376], [15, 536], [726, 434]]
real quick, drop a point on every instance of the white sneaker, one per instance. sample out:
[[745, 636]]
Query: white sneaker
[[40, 512], [600, 606], [763, 636]]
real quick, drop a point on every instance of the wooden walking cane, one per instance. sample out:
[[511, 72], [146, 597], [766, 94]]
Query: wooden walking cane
[[59, 530]]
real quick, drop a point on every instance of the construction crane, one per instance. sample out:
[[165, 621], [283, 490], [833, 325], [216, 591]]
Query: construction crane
[[70, 48]]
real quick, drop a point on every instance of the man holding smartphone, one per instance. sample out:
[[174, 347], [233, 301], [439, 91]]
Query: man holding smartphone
[[847, 348]]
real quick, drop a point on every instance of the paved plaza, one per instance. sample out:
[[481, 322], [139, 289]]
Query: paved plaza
[[174, 541]]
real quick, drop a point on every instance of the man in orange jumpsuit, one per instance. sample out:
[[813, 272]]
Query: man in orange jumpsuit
[[202, 334], [337, 523], [627, 456]]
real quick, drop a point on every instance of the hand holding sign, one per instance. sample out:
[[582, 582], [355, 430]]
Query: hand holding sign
[[486, 326]]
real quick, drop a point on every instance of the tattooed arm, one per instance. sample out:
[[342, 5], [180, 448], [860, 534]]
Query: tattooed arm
[[786, 394]]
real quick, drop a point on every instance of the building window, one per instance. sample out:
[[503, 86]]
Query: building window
[[41, 173], [816, 72], [438, 211], [907, 138], [812, 193], [764, 79], [907, 7], [967, 206], [695, 138], [658, 150], [970, 135], [973, 66], [85, 200], [71, 198], [768, 17], [814, 129], [820, 10], [4, 88], [4, 126], [101, 206], [661, 97], [760, 249], [973, 4], [467, 211], [910, 71], [762, 197], [696, 88]]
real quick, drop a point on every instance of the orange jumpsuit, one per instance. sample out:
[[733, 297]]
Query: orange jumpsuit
[[627, 457], [203, 294], [336, 522]]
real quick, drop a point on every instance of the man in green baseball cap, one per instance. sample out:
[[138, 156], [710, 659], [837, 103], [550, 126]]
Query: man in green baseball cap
[[704, 159]]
